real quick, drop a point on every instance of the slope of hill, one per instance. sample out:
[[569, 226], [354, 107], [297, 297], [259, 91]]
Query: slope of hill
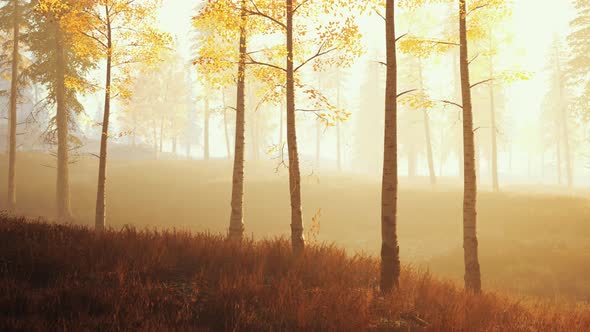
[[533, 240], [65, 277]]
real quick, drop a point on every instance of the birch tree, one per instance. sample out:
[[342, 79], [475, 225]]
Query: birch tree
[[123, 34], [335, 40], [13, 20]]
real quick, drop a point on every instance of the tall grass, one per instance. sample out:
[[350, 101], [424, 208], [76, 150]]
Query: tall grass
[[65, 277]]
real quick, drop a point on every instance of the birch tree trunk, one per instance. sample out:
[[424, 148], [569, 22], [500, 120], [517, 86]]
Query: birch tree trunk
[[63, 179], [11, 196], [318, 132], [236, 222], [427, 133], [493, 129], [226, 132], [281, 124], [338, 126], [558, 151], [206, 155], [161, 148], [297, 238], [100, 217], [470, 245], [390, 264]]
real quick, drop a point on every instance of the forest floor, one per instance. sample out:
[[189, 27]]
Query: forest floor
[[533, 240], [65, 277]]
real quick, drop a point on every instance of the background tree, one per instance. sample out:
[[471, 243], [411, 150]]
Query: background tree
[[578, 65], [224, 30], [337, 32], [61, 60], [123, 34], [14, 21]]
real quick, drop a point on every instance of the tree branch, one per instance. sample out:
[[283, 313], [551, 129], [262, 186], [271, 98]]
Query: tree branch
[[260, 13], [451, 103], [299, 5], [380, 15], [405, 92], [318, 54], [400, 37], [476, 8], [440, 42], [481, 82], [254, 62], [474, 58]]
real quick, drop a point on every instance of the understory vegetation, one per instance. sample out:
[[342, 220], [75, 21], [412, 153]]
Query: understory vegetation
[[67, 277]]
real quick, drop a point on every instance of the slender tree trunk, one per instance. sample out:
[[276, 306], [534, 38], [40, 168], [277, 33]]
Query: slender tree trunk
[[564, 127], [318, 142], [257, 135], [297, 238], [161, 147], [318, 132], [510, 158], [226, 131], [493, 129], [236, 221], [11, 196], [338, 126], [528, 161], [100, 218], [188, 149], [412, 160], [558, 149], [427, 134], [174, 140], [458, 95], [63, 178], [567, 152], [254, 143], [155, 132], [543, 165], [390, 263], [206, 155], [472, 271], [281, 124]]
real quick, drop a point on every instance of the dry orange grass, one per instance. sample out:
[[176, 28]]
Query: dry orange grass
[[56, 277], [533, 240]]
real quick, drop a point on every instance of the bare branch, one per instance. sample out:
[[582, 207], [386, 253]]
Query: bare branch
[[474, 58], [257, 11], [405, 92], [400, 37], [481, 82], [476, 8], [378, 13], [299, 5], [254, 62], [441, 42], [318, 54], [309, 110], [451, 103]]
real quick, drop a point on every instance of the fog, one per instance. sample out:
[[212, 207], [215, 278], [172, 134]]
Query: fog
[[172, 145]]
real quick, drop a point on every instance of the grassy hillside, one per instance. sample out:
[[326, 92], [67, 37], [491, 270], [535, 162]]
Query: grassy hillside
[[531, 242], [55, 277]]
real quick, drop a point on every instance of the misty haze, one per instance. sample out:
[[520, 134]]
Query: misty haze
[[295, 165]]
